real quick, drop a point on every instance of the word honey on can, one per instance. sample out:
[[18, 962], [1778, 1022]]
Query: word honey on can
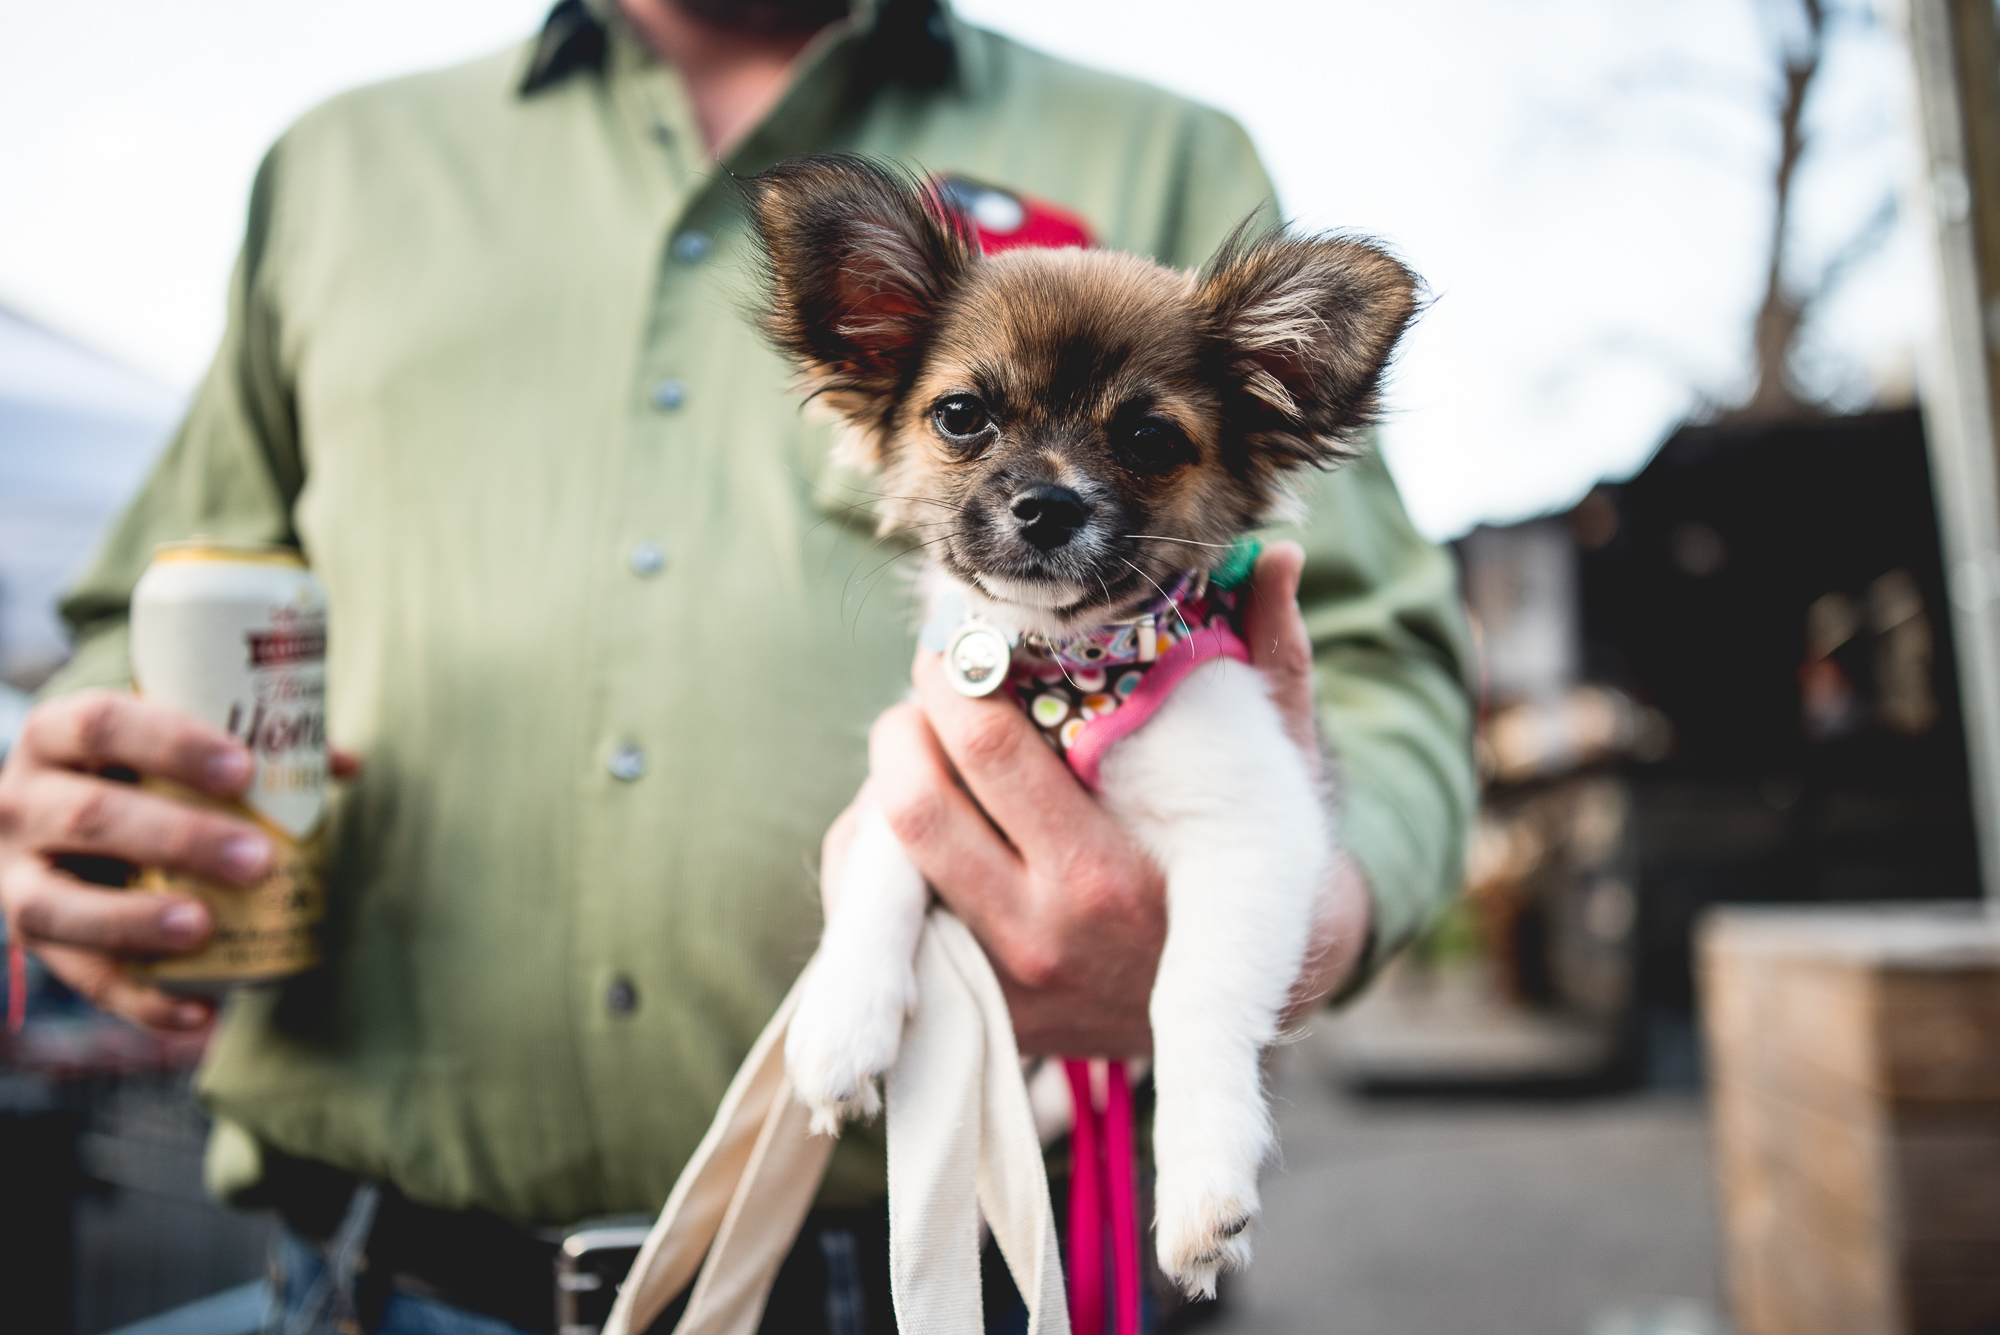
[[235, 635]]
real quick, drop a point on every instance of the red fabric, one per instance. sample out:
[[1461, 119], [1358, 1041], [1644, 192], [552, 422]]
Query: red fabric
[[1041, 223], [1044, 225]]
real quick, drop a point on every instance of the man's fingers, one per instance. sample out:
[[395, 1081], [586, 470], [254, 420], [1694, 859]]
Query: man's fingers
[[55, 811], [49, 908], [1275, 632], [947, 837], [1273, 629], [104, 983], [95, 729], [1013, 774]]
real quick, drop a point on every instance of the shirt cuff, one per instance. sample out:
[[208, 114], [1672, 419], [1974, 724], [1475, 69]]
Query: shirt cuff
[[102, 658], [1403, 875]]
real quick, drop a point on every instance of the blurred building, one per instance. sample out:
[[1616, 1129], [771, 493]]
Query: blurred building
[[101, 1151], [1777, 593], [100, 1144], [1730, 679]]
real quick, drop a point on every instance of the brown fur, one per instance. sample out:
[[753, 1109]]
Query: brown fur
[[1265, 362]]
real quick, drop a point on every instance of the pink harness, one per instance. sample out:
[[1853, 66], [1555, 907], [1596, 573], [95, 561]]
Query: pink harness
[[1086, 693]]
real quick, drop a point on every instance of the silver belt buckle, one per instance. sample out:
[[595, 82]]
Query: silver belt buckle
[[591, 1261]]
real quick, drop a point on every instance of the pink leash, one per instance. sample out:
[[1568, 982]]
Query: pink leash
[[1102, 1197]]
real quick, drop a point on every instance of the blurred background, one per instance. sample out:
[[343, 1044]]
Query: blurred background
[[1669, 409]]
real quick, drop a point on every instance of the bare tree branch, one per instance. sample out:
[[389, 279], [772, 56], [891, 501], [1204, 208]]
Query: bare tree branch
[[1783, 310]]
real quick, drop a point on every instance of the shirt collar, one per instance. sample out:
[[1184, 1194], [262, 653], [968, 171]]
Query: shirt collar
[[897, 41], [572, 39]]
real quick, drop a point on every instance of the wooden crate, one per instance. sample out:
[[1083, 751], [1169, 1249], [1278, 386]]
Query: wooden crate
[[1854, 1065]]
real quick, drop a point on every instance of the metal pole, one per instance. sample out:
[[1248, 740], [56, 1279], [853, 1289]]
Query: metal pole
[[1958, 87]]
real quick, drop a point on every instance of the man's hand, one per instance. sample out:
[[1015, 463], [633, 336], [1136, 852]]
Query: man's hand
[[1071, 912], [55, 802]]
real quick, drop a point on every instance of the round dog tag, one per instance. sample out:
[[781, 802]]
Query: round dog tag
[[975, 662]]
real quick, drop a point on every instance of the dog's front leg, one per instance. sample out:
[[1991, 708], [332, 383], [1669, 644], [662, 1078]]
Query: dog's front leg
[[1220, 795], [862, 983]]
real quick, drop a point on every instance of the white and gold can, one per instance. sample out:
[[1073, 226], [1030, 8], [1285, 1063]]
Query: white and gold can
[[235, 635]]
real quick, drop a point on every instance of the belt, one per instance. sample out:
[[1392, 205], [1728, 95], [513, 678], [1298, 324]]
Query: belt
[[471, 1259], [562, 1282]]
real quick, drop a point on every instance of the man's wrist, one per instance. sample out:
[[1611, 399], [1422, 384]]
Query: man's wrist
[[1343, 921]]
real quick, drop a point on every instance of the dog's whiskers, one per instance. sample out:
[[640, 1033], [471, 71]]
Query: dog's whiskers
[[875, 543], [1063, 668], [918, 500], [912, 550], [1185, 628], [1161, 537]]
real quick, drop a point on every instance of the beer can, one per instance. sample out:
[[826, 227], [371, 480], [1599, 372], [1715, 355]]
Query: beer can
[[235, 635]]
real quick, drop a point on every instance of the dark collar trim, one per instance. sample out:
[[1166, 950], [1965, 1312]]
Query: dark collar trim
[[910, 42], [571, 39]]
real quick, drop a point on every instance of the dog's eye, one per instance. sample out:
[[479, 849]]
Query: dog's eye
[[960, 417], [1154, 444]]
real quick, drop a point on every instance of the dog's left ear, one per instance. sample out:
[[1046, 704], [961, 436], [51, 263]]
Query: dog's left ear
[[1306, 326], [859, 259]]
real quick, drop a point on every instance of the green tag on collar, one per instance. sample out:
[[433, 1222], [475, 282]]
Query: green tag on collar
[[1237, 565]]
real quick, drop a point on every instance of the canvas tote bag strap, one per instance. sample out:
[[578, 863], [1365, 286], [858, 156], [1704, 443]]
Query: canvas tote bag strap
[[962, 1143], [739, 1204]]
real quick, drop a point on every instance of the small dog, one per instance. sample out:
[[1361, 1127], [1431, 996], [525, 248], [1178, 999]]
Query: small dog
[[1082, 436]]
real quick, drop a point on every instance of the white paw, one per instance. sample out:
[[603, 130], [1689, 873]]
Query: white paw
[[843, 1039], [1203, 1232], [1209, 1151]]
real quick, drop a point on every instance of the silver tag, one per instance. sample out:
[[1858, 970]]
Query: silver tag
[[975, 662]]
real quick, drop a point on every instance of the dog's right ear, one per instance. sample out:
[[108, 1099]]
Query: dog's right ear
[[858, 257], [1306, 326]]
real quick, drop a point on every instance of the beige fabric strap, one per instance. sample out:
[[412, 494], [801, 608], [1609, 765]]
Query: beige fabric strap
[[739, 1203], [961, 1143]]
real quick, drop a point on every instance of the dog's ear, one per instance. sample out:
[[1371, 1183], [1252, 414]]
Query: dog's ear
[[858, 258], [1305, 327]]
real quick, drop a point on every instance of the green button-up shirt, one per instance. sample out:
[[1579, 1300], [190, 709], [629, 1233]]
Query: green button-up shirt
[[606, 627]]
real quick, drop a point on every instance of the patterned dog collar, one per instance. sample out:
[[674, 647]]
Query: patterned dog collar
[[1087, 690]]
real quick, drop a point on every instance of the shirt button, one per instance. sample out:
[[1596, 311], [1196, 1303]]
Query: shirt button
[[692, 247], [646, 559], [669, 394], [621, 998], [627, 763]]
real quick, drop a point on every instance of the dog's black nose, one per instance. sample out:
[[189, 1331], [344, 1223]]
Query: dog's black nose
[[1049, 515]]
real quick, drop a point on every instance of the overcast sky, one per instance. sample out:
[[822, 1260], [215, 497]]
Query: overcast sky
[[1584, 184]]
